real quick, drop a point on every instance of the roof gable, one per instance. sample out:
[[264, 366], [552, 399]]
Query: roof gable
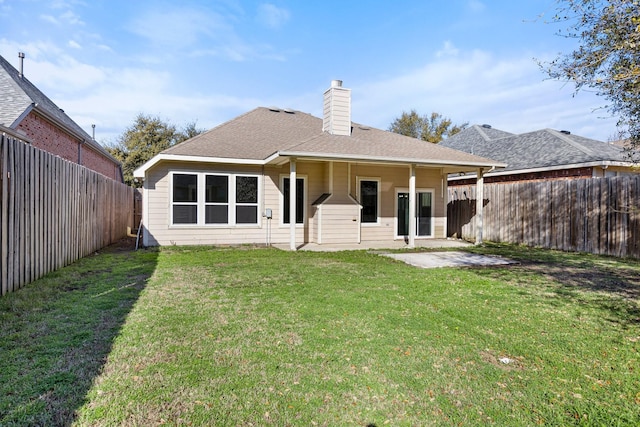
[[468, 139], [18, 96], [15, 100]]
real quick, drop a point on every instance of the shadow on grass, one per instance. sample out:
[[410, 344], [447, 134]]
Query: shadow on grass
[[56, 333], [612, 284]]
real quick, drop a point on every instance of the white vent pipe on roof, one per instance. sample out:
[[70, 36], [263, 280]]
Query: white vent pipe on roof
[[21, 56]]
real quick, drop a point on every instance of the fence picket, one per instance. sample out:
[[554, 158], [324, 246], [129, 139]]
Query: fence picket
[[598, 215], [53, 212]]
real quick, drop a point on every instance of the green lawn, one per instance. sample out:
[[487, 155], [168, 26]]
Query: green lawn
[[206, 336]]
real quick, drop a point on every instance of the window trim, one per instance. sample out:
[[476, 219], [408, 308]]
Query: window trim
[[201, 200], [305, 198], [359, 179], [236, 204]]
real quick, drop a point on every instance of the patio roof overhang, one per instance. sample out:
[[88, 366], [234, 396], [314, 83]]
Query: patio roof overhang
[[284, 157]]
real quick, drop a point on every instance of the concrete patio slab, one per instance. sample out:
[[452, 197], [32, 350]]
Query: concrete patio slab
[[449, 259]]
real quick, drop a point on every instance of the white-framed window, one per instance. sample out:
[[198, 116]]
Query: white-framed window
[[301, 199], [216, 203], [199, 198], [369, 198], [184, 199]]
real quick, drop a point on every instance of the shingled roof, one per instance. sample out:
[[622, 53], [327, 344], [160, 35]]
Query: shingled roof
[[271, 136], [546, 148], [18, 96]]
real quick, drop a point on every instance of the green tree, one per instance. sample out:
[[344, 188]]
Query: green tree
[[607, 59], [433, 128], [145, 138]]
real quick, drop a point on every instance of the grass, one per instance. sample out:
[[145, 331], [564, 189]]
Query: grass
[[208, 336]]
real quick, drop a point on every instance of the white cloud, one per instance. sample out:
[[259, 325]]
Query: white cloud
[[272, 16], [197, 33], [71, 18], [510, 94], [178, 28], [448, 49], [50, 19], [66, 18], [74, 44], [476, 6]]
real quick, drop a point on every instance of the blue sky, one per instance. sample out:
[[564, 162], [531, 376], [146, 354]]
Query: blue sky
[[474, 61]]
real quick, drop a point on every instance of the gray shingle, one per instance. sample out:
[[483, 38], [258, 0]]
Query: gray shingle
[[539, 149], [262, 132]]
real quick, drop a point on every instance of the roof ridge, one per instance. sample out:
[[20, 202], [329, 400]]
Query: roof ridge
[[482, 133], [571, 142]]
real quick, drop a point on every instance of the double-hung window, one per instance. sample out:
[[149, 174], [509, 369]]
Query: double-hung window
[[246, 199], [369, 195], [214, 199], [185, 198]]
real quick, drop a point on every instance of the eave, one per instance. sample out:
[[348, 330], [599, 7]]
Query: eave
[[602, 164], [88, 142], [284, 157]]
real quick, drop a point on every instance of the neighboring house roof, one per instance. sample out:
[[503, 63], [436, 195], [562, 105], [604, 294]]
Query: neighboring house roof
[[272, 136], [538, 150], [18, 97], [467, 139]]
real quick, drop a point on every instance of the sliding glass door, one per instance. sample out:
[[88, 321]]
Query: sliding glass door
[[424, 213]]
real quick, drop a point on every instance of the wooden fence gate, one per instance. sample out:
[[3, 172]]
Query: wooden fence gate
[[53, 212], [596, 215]]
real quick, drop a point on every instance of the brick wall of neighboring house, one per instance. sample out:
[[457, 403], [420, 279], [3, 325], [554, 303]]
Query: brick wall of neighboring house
[[99, 163], [586, 172], [49, 137]]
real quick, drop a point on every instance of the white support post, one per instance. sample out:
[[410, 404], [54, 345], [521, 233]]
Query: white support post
[[412, 207], [292, 204], [479, 206]]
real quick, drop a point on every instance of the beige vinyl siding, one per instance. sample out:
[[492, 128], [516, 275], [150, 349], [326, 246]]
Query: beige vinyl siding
[[337, 111], [157, 227], [393, 178], [159, 230], [313, 172], [337, 220]]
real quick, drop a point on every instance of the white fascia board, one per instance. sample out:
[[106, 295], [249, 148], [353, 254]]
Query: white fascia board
[[391, 160], [604, 163], [140, 172]]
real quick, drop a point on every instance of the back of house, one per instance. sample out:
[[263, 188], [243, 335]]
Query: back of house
[[283, 176]]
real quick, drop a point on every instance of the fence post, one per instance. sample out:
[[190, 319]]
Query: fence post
[[479, 206]]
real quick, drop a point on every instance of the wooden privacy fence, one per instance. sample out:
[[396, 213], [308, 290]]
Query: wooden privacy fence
[[596, 215], [53, 212]]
